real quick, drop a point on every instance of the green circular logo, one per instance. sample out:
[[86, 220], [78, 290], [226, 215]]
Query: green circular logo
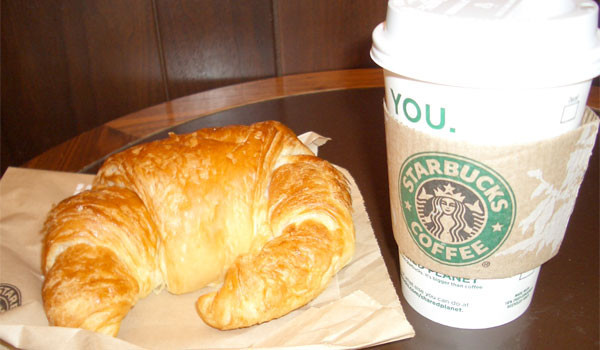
[[457, 210]]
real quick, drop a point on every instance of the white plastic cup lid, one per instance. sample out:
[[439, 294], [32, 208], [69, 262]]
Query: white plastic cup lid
[[490, 43]]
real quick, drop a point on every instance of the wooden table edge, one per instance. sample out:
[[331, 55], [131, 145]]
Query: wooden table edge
[[86, 148]]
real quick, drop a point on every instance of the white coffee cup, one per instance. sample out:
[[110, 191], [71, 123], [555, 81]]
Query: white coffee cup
[[492, 73], [461, 68], [464, 302], [484, 116]]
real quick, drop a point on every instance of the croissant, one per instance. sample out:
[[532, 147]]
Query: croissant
[[248, 209]]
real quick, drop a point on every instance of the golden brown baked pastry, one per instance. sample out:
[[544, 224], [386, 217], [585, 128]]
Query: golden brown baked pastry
[[99, 257], [246, 206]]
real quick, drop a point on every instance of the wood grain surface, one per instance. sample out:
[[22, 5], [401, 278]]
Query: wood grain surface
[[77, 152], [316, 35], [70, 66], [208, 44], [89, 146]]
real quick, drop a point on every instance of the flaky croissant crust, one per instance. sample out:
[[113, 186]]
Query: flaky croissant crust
[[249, 207]]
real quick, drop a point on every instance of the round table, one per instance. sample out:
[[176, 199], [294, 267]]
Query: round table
[[346, 106]]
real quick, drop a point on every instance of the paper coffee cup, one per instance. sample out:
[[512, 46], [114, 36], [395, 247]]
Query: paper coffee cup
[[465, 302], [486, 116], [493, 74]]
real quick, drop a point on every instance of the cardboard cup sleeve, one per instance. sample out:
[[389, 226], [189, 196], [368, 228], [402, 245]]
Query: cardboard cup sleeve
[[483, 211]]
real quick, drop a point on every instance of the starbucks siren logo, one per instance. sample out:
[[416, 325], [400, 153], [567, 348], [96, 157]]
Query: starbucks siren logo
[[457, 210], [10, 297]]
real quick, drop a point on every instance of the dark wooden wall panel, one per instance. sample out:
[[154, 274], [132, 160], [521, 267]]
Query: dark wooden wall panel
[[68, 66], [35, 92], [210, 43], [316, 35]]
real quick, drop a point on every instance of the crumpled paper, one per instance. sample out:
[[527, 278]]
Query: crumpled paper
[[360, 307]]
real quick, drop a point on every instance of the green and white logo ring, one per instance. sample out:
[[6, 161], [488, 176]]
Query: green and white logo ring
[[458, 211]]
